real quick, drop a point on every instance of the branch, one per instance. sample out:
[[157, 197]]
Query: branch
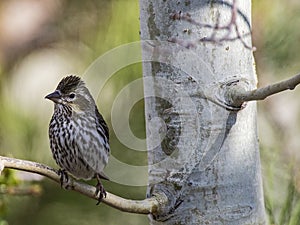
[[146, 206], [238, 96], [229, 27]]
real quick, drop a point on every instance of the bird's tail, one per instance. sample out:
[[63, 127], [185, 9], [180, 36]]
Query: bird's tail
[[103, 176]]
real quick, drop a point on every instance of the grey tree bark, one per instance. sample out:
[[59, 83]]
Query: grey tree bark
[[203, 156]]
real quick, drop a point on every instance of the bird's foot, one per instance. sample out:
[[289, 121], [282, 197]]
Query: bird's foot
[[100, 191], [64, 178]]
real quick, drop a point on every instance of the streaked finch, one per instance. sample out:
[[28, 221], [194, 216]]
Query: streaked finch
[[79, 138]]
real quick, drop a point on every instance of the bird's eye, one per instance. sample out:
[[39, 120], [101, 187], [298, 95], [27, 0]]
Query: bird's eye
[[72, 95]]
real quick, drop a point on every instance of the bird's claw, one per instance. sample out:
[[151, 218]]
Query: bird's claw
[[100, 191], [64, 178]]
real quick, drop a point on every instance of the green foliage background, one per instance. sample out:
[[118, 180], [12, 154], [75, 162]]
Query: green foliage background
[[87, 29], [74, 36]]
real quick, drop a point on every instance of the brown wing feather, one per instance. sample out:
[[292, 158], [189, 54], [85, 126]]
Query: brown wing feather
[[102, 123]]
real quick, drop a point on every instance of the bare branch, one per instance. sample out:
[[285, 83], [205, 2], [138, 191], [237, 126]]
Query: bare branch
[[239, 96], [187, 17], [146, 206], [232, 25]]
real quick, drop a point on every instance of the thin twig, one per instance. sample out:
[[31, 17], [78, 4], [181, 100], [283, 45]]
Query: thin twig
[[146, 206], [187, 17], [229, 27]]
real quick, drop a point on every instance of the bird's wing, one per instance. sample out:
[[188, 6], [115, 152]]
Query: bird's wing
[[101, 124], [93, 144], [92, 149]]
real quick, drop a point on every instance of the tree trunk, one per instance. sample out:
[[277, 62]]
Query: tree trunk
[[202, 156]]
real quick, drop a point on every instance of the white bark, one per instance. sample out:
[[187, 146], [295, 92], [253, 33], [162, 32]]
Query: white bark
[[204, 158]]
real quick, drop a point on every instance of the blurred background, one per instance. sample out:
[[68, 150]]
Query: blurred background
[[42, 41]]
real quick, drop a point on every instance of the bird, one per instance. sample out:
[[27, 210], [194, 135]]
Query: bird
[[78, 134]]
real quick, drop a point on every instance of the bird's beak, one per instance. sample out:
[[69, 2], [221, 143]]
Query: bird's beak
[[54, 96]]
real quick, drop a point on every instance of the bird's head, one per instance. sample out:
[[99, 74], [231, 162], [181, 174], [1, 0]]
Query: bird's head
[[71, 91]]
